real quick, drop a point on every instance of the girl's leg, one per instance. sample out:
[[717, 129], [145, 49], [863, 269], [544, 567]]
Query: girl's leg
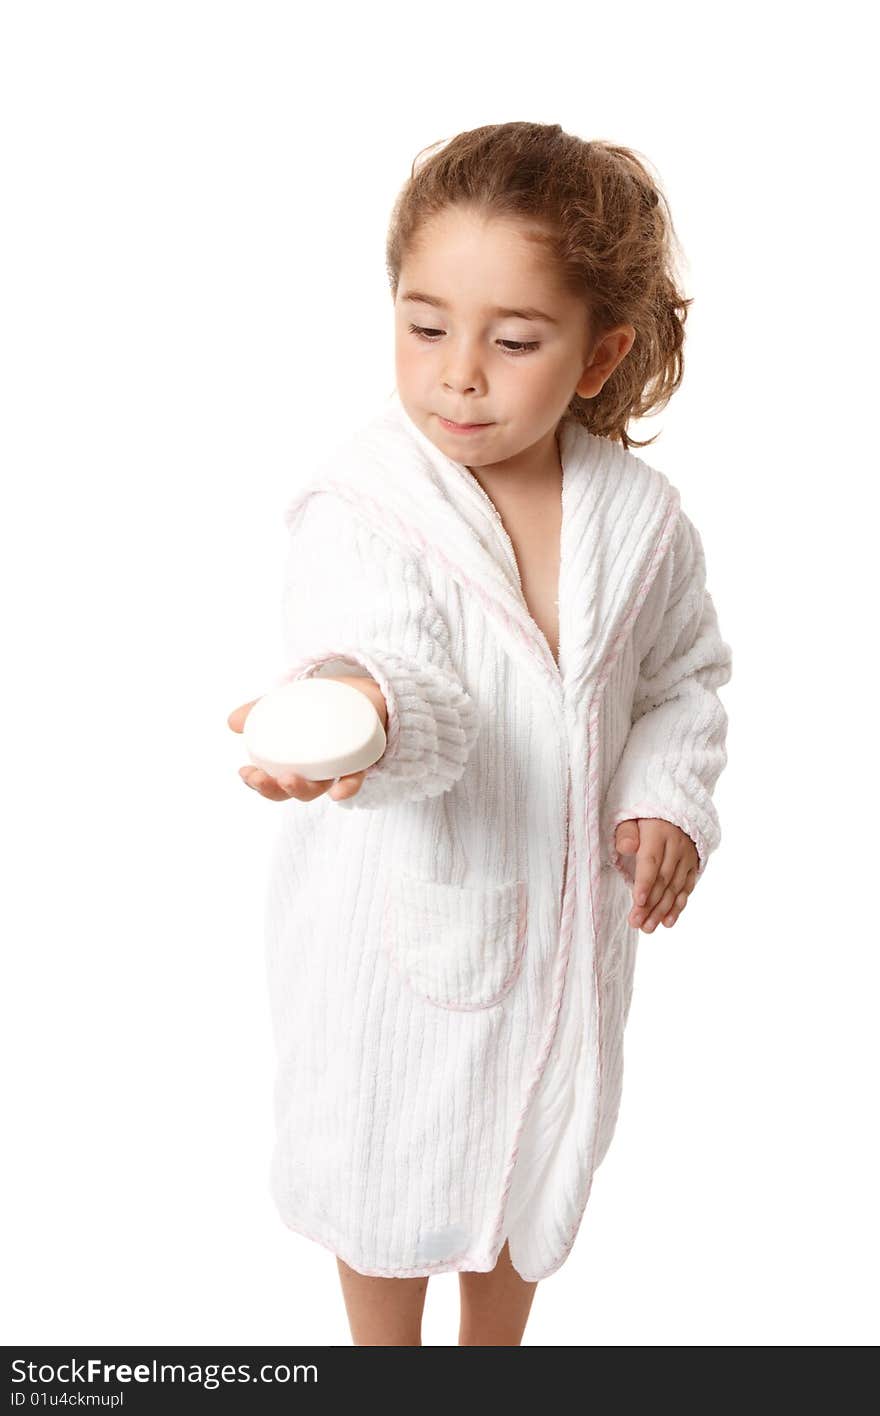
[[494, 1306], [383, 1312]]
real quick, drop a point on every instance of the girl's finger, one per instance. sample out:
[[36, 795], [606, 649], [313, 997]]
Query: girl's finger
[[267, 786], [669, 878], [302, 788], [681, 885], [645, 882], [347, 786], [680, 902], [660, 870], [663, 906], [677, 886], [238, 717]]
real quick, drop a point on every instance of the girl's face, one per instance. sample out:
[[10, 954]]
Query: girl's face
[[497, 343]]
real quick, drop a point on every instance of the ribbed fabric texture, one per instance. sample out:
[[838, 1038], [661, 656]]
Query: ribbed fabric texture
[[353, 595], [449, 961], [675, 749]]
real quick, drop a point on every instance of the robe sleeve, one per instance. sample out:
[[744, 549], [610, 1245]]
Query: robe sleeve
[[354, 603], [676, 747]]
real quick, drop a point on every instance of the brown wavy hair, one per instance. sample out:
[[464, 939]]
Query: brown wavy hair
[[604, 224]]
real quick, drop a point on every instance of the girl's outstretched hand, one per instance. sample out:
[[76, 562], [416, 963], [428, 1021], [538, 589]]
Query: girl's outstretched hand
[[665, 869], [282, 789]]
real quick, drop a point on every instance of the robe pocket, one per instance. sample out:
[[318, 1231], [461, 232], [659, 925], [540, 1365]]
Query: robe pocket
[[458, 946]]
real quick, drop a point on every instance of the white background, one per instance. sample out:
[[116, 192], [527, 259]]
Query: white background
[[195, 307]]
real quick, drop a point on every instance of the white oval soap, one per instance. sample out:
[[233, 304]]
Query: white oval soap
[[316, 728]]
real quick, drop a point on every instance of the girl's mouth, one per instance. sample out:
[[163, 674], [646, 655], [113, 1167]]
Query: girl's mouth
[[463, 427]]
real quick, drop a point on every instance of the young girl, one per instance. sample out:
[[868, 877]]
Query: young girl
[[452, 933]]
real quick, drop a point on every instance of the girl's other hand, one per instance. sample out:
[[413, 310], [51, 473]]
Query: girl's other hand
[[283, 788], [665, 869]]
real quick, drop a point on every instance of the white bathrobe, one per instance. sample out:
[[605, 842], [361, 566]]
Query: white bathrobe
[[449, 960]]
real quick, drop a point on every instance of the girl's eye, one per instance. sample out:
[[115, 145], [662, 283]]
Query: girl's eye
[[511, 346]]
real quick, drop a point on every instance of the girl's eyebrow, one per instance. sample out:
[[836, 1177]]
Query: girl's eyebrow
[[526, 313]]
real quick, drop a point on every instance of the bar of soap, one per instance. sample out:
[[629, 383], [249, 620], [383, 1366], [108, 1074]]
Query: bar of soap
[[316, 728]]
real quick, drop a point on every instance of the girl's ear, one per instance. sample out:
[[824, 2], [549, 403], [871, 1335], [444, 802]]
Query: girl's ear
[[612, 348]]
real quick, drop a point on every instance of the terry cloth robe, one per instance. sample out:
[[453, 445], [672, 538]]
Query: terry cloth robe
[[449, 960]]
